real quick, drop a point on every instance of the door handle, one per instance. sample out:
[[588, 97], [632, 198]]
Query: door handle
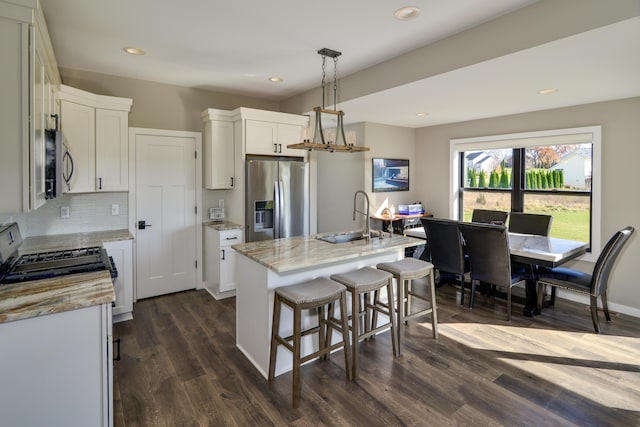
[[232, 181], [280, 148], [142, 225], [231, 238], [118, 344], [99, 183], [223, 254], [275, 148]]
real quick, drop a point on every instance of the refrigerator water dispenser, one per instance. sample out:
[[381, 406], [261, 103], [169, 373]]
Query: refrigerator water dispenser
[[263, 215]]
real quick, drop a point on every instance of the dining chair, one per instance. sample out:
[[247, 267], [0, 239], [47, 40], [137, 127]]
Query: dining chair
[[527, 223], [489, 258], [447, 250], [595, 284], [487, 216]]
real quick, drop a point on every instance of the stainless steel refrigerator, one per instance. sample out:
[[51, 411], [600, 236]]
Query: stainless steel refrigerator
[[277, 197]]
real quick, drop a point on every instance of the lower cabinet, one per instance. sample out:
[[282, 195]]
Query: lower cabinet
[[220, 264], [57, 369], [122, 253]]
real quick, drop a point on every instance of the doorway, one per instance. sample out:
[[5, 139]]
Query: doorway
[[164, 216]]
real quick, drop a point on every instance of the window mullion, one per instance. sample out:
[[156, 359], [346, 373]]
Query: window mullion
[[517, 178]]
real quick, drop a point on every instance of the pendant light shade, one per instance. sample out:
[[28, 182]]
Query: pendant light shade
[[320, 140]]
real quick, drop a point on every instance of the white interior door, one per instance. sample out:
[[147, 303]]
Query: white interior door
[[165, 201]]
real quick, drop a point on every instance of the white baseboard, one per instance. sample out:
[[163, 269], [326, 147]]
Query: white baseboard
[[583, 299]]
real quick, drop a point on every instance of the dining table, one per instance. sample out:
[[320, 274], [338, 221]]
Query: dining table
[[532, 250]]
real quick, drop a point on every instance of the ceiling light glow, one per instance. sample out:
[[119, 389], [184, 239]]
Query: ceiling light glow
[[133, 50], [276, 79], [406, 13], [421, 114], [547, 91]]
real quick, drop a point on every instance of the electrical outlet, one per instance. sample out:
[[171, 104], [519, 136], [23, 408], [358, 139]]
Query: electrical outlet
[[64, 212], [115, 209]]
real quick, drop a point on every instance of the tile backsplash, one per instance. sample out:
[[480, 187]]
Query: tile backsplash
[[87, 212]]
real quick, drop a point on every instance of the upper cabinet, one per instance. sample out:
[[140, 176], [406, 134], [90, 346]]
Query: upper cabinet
[[269, 132], [29, 81], [271, 138], [219, 164], [95, 133]]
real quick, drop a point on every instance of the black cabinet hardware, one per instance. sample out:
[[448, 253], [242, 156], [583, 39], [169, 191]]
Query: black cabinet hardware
[[118, 343], [142, 225]]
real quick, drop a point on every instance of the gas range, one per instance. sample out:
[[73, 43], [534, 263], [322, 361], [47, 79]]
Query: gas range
[[48, 264]]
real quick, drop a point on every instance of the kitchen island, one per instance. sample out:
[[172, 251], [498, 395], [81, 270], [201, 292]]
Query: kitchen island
[[266, 265]]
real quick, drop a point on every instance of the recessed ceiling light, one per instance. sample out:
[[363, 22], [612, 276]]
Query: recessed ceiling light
[[133, 50], [406, 13], [547, 91], [276, 79], [421, 114]]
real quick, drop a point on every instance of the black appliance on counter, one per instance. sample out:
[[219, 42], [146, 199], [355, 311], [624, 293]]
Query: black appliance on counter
[[43, 265]]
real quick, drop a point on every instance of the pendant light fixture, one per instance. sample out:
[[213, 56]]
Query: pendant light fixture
[[320, 141]]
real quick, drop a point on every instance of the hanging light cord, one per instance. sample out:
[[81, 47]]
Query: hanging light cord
[[335, 83], [324, 74]]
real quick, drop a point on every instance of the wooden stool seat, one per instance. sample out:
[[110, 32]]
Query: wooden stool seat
[[314, 294], [361, 283], [404, 271]]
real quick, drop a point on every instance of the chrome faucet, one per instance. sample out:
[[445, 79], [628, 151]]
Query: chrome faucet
[[367, 230]]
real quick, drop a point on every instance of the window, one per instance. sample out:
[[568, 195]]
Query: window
[[551, 172]]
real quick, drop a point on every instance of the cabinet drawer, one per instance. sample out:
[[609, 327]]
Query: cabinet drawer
[[230, 237]]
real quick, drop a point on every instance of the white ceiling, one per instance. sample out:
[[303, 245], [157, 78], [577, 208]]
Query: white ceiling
[[234, 46]]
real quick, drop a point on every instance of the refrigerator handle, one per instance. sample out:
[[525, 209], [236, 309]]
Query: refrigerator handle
[[281, 216], [276, 210]]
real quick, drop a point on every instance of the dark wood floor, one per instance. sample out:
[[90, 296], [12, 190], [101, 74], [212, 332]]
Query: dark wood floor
[[180, 367]]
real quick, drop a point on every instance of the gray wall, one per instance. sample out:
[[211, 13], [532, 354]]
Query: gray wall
[[159, 105], [620, 153]]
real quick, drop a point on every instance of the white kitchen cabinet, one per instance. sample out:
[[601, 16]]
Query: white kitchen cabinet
[[220, 260], [95, 131], [29, 75], [78, 129], [271, 138], [57, 369], [122, 253], [219, 165]]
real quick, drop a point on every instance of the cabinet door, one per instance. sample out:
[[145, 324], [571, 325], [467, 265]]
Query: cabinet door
[[78, 131], [112, 150], [59, 364], [14, 120], [261, 138], [122, 253], [290, 134], [227, 269], [219, 157], [37, 147]]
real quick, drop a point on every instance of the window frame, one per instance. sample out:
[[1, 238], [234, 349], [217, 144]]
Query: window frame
[[580, 135]]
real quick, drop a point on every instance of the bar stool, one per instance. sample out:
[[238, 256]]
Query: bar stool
[[404, 271], [314, 294], [361, 283]]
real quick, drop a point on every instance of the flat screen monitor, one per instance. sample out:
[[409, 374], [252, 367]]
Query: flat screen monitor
[[390, 175]]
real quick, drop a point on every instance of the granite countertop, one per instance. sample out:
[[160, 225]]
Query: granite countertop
[[74, 240], [47, 296], [39, 297], [298, 253], [223, 225]]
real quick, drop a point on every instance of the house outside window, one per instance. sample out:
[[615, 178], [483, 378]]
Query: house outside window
[[550, 172]]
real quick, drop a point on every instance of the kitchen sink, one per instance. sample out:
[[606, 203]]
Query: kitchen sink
[[349, 236]]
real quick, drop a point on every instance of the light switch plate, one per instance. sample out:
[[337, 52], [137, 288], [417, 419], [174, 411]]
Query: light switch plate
[[115, 209], [64, 212]]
